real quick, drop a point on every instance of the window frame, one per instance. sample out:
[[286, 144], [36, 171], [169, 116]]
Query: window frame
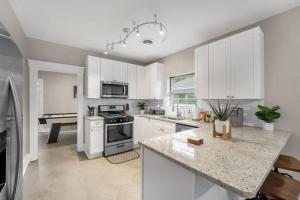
[[172, 92]]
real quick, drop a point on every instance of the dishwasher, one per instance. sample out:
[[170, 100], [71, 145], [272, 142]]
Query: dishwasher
[[182, 127]]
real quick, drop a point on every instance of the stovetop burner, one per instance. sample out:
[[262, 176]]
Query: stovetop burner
[[114, 114]]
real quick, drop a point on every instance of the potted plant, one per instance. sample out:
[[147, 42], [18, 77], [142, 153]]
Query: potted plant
[[268, 115], [141, 105], [222, 115]]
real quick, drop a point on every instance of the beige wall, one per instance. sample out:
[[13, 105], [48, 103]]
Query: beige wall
[[58, 92], [282, 70], [57, 53]]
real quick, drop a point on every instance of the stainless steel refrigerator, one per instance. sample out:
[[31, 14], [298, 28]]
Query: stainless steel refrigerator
[[11, 81]]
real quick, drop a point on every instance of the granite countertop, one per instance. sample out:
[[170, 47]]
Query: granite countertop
[[94, 118], [183, 121], [240, 164]]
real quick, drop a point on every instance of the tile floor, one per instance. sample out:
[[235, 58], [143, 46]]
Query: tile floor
[[63, 174]]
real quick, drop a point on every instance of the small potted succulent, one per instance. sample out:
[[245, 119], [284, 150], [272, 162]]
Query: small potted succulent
[[222, 114], [268, 115], [141, 105]]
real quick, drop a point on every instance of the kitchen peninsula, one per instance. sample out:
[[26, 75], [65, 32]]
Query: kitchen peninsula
[[218, 169]]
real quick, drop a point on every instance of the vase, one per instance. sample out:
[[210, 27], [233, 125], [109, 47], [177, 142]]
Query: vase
[[219, 126], [268, 126], [142, 112]]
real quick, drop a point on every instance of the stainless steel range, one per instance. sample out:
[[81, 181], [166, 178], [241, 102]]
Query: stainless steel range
[[118, 129]]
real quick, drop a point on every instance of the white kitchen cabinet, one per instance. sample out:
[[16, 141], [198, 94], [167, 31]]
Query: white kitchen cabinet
[[140, 83], [154, 75], [106, 70], [201, 72], [93, 137], [246, 61], [219, 69], [132, 81], [119, 72], [137, 125], [148, 128], [113, 71], [92, 76], [160, 128], [231, 68]]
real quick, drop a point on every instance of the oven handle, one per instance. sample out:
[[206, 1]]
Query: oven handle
[[17, 107], [119, 124]]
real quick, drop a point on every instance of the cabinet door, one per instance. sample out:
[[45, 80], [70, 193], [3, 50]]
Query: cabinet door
[[219, 69], [93, 77], [146, 128], [132, 81], [120, 72], [137, 130], [96, 140], [242, 69], [201, 72], [148, 78], [140, 82], [106, 70]]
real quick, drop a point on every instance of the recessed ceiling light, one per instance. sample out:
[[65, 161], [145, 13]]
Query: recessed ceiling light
[[147, 41]]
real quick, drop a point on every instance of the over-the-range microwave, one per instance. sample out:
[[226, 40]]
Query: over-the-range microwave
[[110, 89]]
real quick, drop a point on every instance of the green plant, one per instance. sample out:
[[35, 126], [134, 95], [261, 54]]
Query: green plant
[[223, 113], [141, 105], [267, 114]]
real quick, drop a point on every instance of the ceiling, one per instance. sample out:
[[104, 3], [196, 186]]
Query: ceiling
[[88, 24]]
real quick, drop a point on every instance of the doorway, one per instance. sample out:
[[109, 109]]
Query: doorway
[[35, 67], [57, 109]]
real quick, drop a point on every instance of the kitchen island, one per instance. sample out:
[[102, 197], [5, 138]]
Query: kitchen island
[[218, 169]]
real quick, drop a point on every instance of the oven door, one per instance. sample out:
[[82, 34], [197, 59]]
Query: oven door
[[114, 89], [118, 133]]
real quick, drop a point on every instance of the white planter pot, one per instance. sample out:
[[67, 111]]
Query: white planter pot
[[142, 112], [219, 126], [268, 126]]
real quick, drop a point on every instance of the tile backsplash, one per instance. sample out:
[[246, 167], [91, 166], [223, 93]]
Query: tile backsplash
[[249, 106], [112, 101]]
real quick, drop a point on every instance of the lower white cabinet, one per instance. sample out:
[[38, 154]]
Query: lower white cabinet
[[145, 128], [93, 137]]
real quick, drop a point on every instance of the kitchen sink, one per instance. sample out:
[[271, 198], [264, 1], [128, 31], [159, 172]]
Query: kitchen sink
[[172, 118]]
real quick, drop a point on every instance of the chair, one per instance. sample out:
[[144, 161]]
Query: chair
[[280, 187]]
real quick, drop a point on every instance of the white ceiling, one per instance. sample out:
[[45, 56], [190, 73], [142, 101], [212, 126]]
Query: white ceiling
[[87, 24]]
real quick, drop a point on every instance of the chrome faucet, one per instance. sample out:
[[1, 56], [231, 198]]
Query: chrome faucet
[[178, 113]]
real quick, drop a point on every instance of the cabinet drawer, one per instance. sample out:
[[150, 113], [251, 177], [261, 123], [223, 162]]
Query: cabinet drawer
[[96, 123], [163, 125]]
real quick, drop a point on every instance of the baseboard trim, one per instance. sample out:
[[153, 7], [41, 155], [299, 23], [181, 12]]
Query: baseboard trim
[[26, 161]]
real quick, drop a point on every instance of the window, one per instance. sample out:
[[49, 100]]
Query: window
[[182, 89]]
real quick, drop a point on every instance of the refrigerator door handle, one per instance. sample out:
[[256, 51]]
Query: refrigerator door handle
[[17, 109]]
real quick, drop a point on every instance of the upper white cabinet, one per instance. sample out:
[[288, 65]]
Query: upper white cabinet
[[132, 81], [201, 72], [234, 67], [92, 77], [140, 80], [113, 71], [144, 82], [219, 69], [154, 75], [247, 65], [120, 72], [106, 70]]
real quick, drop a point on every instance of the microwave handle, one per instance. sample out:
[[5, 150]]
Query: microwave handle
[[124, 90], [17, 108]]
